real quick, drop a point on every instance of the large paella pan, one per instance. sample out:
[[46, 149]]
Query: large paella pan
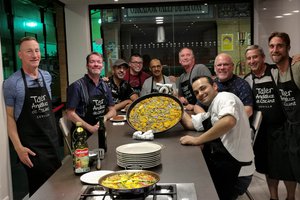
[[157, 112]]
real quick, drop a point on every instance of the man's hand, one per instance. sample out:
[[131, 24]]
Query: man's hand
[[188, 140], [184, 101], [23, 154]]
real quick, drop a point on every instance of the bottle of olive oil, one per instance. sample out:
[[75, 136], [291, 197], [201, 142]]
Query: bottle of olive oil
[[80, 150]]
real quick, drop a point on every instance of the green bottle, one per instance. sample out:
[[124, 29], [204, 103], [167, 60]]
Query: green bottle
[[80, 150]]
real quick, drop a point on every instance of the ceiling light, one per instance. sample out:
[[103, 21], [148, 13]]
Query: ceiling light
[[159, 22], [264, 8], [31, 24], [295, 11], [287, 14], [279, 16], [159, 18], [116, 0]]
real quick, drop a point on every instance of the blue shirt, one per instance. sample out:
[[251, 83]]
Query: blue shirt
[[237, 86], [14, 89], [75, 94]]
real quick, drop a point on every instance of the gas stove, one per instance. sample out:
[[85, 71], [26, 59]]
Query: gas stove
[[162, 191]]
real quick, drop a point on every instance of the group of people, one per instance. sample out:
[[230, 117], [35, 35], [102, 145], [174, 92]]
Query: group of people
[[228, 102], [272, 89]]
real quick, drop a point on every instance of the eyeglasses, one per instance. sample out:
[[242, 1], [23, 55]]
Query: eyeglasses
[[135, 62]]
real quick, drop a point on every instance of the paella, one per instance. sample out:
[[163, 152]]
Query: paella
[[156, 112]]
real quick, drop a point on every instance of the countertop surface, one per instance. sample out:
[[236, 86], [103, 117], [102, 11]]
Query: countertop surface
[[180, 164]]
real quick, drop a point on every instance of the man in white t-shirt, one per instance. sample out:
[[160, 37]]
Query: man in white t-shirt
[[227, 144]]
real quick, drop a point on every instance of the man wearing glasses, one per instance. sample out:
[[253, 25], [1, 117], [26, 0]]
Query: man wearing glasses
[[135, 76]]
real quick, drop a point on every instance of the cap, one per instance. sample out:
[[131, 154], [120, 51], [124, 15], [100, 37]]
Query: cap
[[120, 62]]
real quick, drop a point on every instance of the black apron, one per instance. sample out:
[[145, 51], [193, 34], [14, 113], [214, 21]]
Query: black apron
[[37, 131], [96, 106], [155, 90], [290, 97], [270, 132], [187, 90], [223, 167]]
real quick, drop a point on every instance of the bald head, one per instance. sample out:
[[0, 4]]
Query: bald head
[[224, 66]]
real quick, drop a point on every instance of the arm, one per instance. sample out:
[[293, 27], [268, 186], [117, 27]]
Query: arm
[[111, 113], [122, 104], [221, 127], [186, 121], [249, 110], [198, 109], [23, 152]]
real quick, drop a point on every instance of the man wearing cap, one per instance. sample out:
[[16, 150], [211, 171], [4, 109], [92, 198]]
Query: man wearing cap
[[122, 93]]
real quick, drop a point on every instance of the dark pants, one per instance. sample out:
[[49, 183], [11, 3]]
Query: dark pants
[[224, 170]]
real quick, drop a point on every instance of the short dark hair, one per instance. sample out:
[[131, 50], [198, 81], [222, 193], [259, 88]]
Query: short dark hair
[[284, 36], [93, 53], [135, 55], [27, 38], [255, 47], [209, 79]]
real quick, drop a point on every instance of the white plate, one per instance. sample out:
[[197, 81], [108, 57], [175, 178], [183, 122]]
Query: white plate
[[119, 120], [139, 148], [94, 176]]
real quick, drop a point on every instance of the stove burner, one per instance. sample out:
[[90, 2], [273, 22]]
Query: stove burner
[[160, 192]]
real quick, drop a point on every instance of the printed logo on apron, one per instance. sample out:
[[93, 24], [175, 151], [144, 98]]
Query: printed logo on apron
[[39, 106]]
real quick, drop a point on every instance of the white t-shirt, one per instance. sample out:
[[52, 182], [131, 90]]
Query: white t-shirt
[[238, 140]]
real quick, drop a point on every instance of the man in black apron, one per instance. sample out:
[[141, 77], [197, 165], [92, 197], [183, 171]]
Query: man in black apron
[[33, 134], [184, 82], [90, 97], [149, 85], [227, 141], [288, 84], [268, 148]]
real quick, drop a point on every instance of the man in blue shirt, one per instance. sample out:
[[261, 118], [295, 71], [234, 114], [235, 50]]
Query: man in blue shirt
[[31, 124], [90, 97]]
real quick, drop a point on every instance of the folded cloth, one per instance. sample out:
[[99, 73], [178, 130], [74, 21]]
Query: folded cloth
[[139, 135], [198, 119]]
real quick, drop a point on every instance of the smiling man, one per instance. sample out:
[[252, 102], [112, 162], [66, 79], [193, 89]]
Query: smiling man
[[31, 123], [89, 97], [184, 82], [288, 85], [149, 85], [122, 93], [227, 144], [268, 154], [135, 74]]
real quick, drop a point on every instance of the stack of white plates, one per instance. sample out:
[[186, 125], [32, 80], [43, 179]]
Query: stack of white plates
[[143, 155]]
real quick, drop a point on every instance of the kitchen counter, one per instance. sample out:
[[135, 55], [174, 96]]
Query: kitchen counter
[[180, 164]]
